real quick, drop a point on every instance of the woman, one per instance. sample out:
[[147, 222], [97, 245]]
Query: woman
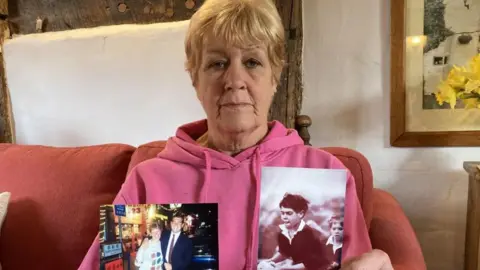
[[149, 255], [235, 55]]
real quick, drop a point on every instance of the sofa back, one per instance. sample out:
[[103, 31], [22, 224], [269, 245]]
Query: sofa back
[[53, 214]]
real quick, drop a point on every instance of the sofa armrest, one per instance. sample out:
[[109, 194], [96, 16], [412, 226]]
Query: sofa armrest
[[391, 231]]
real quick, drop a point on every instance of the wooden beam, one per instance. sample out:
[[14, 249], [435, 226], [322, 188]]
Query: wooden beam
[[3, 9], [6, 127], [287, 101], [295, 80], [58, 15]]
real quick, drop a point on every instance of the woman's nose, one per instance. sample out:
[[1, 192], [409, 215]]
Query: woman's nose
[[235, 77]]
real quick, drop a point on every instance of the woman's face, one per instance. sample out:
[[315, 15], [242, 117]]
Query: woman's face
[[156, 234], [235, 86]]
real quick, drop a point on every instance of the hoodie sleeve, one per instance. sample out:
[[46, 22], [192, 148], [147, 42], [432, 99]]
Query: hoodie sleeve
[[356, 240], [92, 259]]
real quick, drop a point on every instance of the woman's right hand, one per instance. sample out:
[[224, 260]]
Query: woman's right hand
[[373, 260], [167, 266], [265, 265]]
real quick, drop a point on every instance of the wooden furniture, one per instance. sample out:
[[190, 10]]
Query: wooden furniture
[[472, 235], [32, 16]]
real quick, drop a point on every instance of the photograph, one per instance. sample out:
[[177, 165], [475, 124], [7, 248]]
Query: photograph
[[301, 218], [159, 237]]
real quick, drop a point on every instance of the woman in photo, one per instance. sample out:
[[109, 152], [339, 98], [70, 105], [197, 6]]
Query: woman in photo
[[149, 255]]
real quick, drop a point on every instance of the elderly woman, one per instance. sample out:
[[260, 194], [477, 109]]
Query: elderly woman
[[235, 55]]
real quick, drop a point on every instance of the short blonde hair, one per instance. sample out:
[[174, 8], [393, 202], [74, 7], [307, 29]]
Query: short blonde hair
[[238, 23]]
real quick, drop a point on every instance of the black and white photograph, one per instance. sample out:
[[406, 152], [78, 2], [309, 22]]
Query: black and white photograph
[[159, 237], [301, 218]]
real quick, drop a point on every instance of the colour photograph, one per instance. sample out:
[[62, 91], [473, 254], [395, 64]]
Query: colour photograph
[[159, 237]]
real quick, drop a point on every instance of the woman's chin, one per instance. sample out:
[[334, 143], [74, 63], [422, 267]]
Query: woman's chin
[[237, 124]]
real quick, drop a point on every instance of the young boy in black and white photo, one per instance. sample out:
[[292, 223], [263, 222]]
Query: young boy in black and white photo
[[299, 246], [335, 240]]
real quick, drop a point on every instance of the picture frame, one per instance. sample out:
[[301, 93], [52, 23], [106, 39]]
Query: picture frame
[[411, 123]]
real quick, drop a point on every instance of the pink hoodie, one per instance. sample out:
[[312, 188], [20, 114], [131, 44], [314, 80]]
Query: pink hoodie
[[185, 172]]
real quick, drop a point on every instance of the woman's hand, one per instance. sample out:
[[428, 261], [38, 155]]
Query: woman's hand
[[373, 260], [167, 266], [265, 265]]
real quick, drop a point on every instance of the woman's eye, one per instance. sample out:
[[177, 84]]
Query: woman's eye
[[252, 63], [218, 65]]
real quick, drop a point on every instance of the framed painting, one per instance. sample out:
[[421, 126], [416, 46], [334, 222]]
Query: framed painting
[[428, 39]]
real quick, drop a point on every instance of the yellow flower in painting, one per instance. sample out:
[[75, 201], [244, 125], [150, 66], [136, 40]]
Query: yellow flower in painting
[[461, 83], [446, 93], [471, 103], [472, 86], [456, 77]]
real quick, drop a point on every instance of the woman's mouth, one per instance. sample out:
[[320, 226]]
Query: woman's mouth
[[236, 105]]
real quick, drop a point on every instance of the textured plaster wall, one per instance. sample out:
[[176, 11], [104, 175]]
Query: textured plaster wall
[[346, 65]]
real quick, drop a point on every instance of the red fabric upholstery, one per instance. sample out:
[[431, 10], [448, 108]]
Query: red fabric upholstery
[[390, 231], [146, 151], [53, 215]]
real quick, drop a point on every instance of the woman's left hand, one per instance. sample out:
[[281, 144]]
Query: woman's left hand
[[373, 260]]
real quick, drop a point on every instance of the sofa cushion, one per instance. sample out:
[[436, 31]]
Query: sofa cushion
[[146, 151], [53, 215]]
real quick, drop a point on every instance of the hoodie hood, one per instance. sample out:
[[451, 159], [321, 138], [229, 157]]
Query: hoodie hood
[[184, 148]]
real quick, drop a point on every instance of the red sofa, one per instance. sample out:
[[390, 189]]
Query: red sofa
[[53, 215]]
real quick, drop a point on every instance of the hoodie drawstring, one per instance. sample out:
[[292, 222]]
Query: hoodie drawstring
[[254, 237], [257, 173], [206, 185]]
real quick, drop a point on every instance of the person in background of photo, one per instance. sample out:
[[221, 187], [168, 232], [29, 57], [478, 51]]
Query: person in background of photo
[[149, 255], [335, 240], [296, 240], [176, 246]]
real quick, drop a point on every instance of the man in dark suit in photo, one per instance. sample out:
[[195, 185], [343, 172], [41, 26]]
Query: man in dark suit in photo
[[176, 247]]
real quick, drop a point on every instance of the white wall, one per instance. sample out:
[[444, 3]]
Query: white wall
[[123, 84], [346, 65]]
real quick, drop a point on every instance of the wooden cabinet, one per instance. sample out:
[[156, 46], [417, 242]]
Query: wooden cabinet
[[472, 237]]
